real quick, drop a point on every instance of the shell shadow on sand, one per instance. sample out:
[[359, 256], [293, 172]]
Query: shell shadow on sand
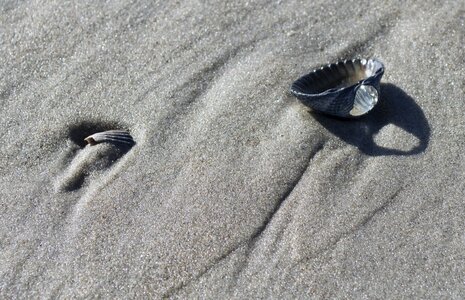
[[395, 107]]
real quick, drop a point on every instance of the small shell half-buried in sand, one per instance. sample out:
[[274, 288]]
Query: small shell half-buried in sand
[[110, 136]]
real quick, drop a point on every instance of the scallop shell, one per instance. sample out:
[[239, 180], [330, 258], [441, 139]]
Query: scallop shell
[[335, 89], [110, 136]]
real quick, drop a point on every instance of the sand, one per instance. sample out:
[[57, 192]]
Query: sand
[[234, 189]]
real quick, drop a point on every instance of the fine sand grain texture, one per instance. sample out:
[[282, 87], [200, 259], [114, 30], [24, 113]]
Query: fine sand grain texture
[[233, 188]]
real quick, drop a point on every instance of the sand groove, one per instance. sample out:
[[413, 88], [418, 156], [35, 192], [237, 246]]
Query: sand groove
[[361, 47], [249, 245], [317, 148]]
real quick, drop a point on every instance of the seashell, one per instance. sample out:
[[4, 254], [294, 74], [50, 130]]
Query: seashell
[[110, 136], [348, 88]]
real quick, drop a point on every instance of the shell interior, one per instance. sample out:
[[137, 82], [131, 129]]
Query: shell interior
[[366, 98], [340, 75]]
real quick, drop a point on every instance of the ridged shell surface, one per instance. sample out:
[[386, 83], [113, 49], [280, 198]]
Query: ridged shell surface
[[111, 136]]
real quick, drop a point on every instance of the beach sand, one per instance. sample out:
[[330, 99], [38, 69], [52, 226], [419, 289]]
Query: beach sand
[[233, 189]]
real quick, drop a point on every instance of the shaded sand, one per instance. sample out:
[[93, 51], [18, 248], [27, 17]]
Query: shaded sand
[[233, 189]]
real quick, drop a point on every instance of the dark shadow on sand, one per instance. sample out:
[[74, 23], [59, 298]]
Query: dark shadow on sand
[[394, 107]]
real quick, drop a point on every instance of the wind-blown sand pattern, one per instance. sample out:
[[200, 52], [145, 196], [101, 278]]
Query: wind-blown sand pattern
[[234, 188]]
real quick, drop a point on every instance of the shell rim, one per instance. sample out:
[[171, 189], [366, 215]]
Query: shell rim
[[337, 90]]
